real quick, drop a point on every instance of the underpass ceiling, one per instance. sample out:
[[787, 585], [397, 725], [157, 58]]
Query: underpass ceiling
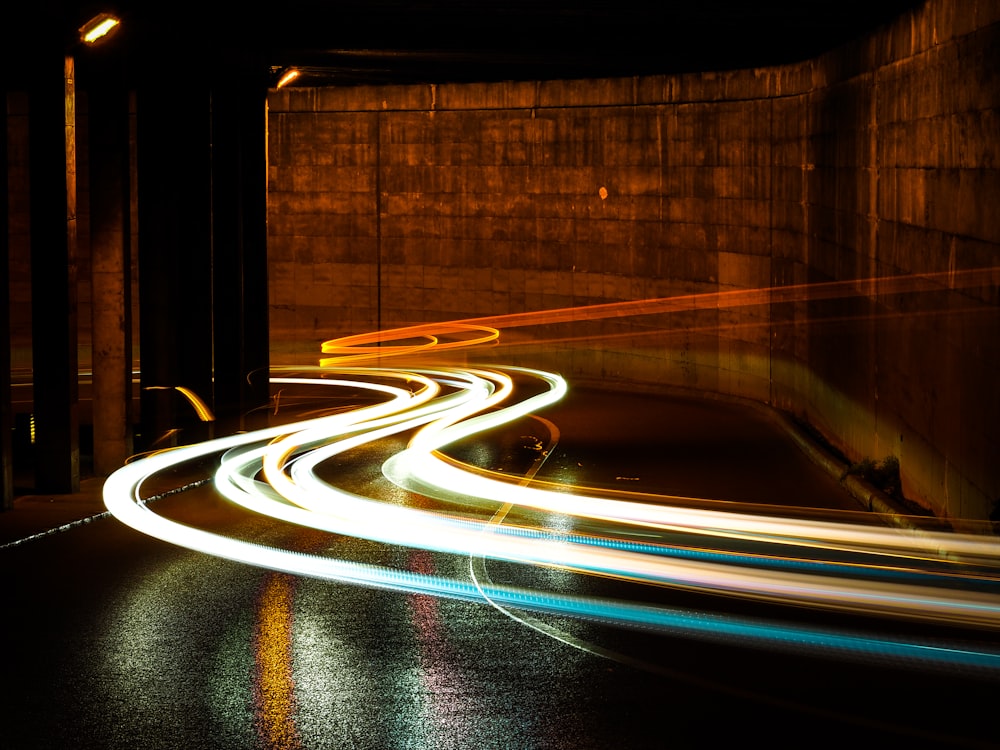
[[392, 41]]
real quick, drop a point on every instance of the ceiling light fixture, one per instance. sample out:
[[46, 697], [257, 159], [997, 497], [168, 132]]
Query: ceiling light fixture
[[98, 27], [288, 76]]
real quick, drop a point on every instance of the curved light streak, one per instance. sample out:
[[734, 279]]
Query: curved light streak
[[426, 472], [445, 405], [363, 347]]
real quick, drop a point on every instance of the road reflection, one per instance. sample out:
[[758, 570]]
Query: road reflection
[[444, 716], [274, 687]]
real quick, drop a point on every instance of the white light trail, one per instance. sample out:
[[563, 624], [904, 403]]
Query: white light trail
[[445, 405]]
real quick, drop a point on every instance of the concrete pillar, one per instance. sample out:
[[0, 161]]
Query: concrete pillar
[[175, 259], [111, 322], [52, 154], [203, 256], [6, 407], [239, 251]]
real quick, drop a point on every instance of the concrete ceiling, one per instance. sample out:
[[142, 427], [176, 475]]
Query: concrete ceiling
[[394, 41]]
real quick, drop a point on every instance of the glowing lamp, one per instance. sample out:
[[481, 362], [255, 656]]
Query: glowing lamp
[[98, 27], [288, 76]]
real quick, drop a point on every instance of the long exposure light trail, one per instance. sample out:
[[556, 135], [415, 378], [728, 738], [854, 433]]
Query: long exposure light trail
[[426, 472], [463, 333], [444, 405]]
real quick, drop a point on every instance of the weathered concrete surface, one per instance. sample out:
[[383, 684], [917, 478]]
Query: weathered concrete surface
[[403, 204]]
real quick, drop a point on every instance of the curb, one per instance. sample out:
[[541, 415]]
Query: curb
[[869, 498]]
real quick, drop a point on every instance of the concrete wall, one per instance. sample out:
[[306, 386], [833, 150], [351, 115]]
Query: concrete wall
[[849, 173]]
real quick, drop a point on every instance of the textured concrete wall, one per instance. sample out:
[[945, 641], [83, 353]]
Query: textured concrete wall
[[900, 160], [399, 205]]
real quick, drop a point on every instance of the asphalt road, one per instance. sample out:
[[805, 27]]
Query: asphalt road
[[116, 640]]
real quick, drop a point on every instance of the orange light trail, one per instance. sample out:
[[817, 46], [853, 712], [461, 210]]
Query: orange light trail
[[351, 349]]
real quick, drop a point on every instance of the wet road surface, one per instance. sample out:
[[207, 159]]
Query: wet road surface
[[116, 640]]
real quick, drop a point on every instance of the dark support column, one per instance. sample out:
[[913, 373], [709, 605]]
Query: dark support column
[[239, 253], [52, 154], [6, 407], [175, 271], [111, 322]]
